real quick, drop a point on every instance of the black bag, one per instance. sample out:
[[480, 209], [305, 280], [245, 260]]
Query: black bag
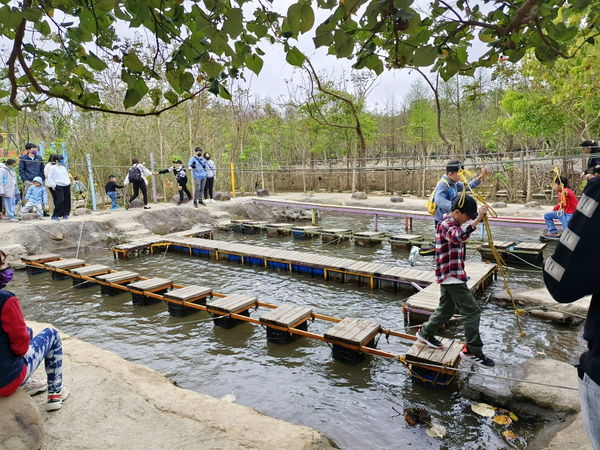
[[135, 174]]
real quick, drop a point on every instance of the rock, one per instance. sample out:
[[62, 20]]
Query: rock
[[533, 204], [558, 312], [30, 216], [78, 204], [262, 192], [359, 195], [546, 370], [81, 212], [573, 437], [137, 203], [496, 391], [14, 253], [499, 205], [396, 199], [20, 422], [222, 196]]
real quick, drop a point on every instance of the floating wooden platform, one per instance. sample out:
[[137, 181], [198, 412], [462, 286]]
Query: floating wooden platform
[[421, 360], [351, 338], [524, 253], [368, 238], [420, 306], [405, 241], [335, 234]]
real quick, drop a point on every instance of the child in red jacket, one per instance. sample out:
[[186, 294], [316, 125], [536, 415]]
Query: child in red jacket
[[20, 353], [563, 210]]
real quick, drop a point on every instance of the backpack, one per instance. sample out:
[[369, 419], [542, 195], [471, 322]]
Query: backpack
[[430, 203], [135, 174]]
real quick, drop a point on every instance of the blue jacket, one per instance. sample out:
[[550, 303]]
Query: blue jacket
[[37, 195], [445, 191], [198, 166], [31, 168]]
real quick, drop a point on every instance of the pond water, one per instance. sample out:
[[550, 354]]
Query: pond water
[[355, 405]]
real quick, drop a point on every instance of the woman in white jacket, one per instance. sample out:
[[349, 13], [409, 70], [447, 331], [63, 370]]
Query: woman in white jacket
[[59, 183], [137, 177]]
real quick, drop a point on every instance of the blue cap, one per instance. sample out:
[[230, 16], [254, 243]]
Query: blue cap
[[38, 179]]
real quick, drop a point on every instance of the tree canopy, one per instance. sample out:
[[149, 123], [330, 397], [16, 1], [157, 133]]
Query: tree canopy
[[62, 48]]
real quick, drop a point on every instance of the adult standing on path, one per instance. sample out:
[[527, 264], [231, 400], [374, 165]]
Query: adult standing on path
[[450, 186], [21, 353], [137, 177], [572, 273], [211, 173], [59, 182], [198, 166], [30, 166], [591, 149], [8, 188]]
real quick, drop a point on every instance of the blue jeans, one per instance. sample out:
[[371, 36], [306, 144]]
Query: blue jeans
[[9, 206], [46, 346], [589, 392], [562, 217], [113, 198]]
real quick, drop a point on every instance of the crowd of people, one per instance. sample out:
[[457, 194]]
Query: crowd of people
[[30, 184]]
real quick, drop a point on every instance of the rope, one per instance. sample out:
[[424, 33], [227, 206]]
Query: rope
[[502, 266], [562, 199], [402, 359]]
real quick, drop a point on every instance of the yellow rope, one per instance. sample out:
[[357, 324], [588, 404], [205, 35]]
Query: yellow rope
[[502, 266], [562, 199]]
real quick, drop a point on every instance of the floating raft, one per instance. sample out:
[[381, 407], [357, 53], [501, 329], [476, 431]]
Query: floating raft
[[420, 306], [368, 238], [405, 241], [306, 231], [524, 253], [375, 275], [351, 338], [335, 234], [278, 229]]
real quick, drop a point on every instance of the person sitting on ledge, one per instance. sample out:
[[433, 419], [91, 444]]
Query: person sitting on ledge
[[21, 353], [563, 210]]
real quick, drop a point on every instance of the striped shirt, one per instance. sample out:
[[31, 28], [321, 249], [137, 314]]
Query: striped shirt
[[450, 250]]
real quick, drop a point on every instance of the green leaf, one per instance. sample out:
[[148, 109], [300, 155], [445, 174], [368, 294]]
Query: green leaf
[[104, 5], [7, 111], [43, 27], [135, 94], [211, 68], [300, 17], [224, 93], [186, 81], [132, 62], [173, 77], [94, 62], [4, 93], [171, 97], [233, 22], [295, 57], [344, 44], [155, 95], [254, 63], [424, 56], [323, 36], [32, 14]]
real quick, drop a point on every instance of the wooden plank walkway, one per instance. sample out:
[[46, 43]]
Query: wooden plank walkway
[[419, 307]]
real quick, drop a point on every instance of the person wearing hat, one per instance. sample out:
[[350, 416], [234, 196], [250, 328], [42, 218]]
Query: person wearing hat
[[181, 178], [450, 274], [591, 149], [572, 273], [450, 186], [21, 353], [211, 173], [35, 198]]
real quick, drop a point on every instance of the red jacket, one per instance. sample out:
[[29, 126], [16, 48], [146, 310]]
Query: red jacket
[[566, 200], [14, 344]]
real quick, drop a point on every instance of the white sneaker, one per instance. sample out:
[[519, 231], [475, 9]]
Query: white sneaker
[[34, 387], [55, 400]]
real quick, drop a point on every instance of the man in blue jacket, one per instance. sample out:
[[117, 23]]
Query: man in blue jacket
[[572, 273], [449, 187], [197, 164], [30, 166]]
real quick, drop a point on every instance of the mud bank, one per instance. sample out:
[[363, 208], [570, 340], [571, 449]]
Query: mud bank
[[118, 404]]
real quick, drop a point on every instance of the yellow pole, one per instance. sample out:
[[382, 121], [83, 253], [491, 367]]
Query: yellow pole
[[232, 173]]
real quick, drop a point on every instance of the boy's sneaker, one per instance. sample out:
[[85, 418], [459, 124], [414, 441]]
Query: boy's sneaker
[[66, 217], [480, 360], [430, 341], [55, 218], [34, 387], [195, 204], [55, 400]]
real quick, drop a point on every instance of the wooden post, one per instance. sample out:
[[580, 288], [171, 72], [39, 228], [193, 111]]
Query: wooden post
[[313, 216], [375, 222], [88, 158], [232, 174], [153, 177]]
